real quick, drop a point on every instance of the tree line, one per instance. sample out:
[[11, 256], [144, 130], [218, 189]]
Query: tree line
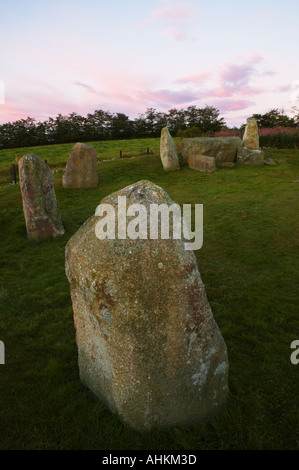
[[104, 125]]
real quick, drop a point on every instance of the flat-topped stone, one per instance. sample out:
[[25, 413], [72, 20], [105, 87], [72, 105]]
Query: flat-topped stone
[[202, 163], [251, 157], [223, 149]]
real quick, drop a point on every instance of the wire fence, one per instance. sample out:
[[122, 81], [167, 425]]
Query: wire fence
[[11, 175]]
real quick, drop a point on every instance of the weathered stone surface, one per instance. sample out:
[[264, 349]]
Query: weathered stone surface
[[251, 134], [202, 163], [270, 161], [168, 153], [223, 149], [81, 168], [148, 344], [251, 157], [39, 200]]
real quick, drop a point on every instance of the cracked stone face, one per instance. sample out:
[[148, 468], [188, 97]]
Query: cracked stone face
[[148, 344]]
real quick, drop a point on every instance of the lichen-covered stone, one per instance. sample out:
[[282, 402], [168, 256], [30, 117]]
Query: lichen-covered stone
[[251, 134], [252, 157], [39, 200], [168, 152], [223, 149], [148, 344], [81, 168], [202, 163]]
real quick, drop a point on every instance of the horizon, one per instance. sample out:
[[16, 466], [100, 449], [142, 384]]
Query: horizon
[[76, 57]]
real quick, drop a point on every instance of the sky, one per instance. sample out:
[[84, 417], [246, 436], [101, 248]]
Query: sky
[[64, 56]]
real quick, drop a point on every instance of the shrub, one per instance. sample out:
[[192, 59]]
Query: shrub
[[280, 140]]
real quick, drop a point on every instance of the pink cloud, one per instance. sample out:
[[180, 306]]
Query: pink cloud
[[237, 73], [251, 91], [171, 32], [175, 12], [167, 97], [284, 88], [232, 105], [197, 78], [228, 91], [85, 86], [256, 58], [176, 19], [229, 79]]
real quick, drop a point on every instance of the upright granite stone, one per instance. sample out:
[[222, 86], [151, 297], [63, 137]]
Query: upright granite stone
[[223, 149], [39, 200], [251, 134], [168, 153], [81, 168], [202, 163], [148, 344]]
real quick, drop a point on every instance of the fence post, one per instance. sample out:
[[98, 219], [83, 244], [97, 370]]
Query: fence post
[[120, 154], [147, 151]]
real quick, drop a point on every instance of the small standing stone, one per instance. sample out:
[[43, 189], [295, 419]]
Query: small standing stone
[[202, 163], [168, 152], [39, 200], [81, 168], [252, 157]]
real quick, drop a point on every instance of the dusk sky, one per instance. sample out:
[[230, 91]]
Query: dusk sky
[[64, 56]]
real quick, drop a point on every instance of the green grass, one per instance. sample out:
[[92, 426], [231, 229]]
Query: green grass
[[249, 266], [57, 155]]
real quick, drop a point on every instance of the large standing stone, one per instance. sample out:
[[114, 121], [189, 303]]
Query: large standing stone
[[81, 168], [148, 344], [202, 163], [223, 149], [39, 200], [251, 134], [168, 153]]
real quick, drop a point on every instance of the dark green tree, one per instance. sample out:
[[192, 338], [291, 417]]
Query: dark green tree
[[98, 124], [121, 127], [176, 120], [274, 118]]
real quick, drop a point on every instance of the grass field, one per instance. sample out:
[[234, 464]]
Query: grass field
[[248, 263], [57, 155]]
